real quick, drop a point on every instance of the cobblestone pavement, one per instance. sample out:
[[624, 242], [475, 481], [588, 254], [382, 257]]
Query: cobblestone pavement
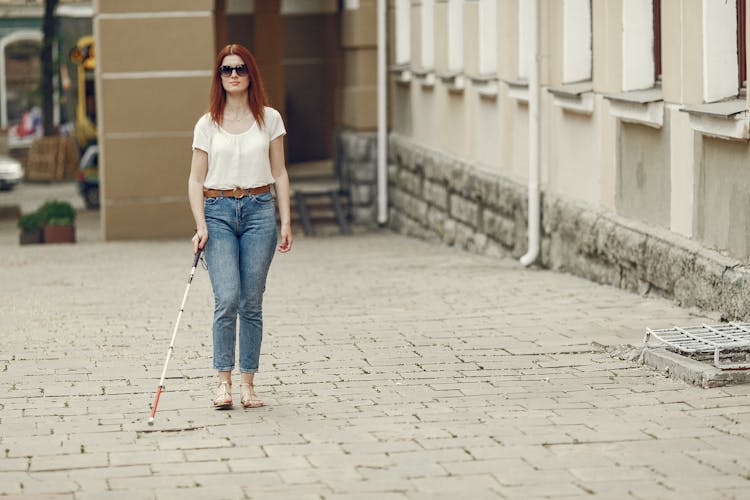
[[391, 369]]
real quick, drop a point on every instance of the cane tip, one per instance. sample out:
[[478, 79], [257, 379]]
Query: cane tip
[[150, 420]]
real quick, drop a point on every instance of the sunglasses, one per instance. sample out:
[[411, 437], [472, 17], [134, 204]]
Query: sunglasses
[[227, 70]]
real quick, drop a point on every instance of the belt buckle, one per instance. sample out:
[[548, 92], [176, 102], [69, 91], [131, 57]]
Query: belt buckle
[[237, 192]]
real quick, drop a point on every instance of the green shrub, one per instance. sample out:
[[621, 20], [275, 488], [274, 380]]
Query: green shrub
[[30, 222], [57, 213], [53, 213]]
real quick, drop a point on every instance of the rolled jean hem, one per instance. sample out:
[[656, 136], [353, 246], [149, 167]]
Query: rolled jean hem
[[224, 369], [252, 370]]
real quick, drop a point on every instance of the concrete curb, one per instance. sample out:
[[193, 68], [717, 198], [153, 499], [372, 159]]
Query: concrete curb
[[679, 367]]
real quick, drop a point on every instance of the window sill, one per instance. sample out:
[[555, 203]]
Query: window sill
[[725, 120], [401, 72], [454, 82], [518, 90], [645, 107], [485, 85], [576, 97], [426, 78]]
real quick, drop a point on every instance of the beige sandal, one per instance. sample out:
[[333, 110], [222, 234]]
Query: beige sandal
[[223, 399], [249, 399]]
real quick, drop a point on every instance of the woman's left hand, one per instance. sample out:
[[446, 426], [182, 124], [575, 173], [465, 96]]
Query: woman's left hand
[[286, 238]]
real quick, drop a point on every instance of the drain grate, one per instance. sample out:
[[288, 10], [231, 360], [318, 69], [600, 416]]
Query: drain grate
[[729, 343]]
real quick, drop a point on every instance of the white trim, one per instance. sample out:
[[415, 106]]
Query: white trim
[[576, 40], [637, 45], [351, 4], [403, 31], [155, 15], [735, 127], [488, 37], [133, 75], [649, 113], [455, 35], [728, 119], [427, 17], [575, 97], [296, 7], [720, 71], [83, 11], [16, 36]]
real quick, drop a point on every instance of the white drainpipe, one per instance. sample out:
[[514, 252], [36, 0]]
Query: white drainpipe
[[382, 124], [534, 141]]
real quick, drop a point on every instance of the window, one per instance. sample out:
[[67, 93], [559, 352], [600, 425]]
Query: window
[[656, 15], [455, 36], [488, 37], [403, 32], [721, 33], [638, 45], [427, 18], [741, 47], [576, 40], [525, 27]]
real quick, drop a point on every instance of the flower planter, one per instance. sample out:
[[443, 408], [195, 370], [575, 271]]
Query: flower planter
[[59, 234], [31, 237]]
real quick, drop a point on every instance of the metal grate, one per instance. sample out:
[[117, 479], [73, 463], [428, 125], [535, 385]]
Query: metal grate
[[729, 343]]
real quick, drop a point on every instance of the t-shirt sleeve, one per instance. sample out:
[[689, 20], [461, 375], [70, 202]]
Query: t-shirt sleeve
[[200, 134], [274, 125]]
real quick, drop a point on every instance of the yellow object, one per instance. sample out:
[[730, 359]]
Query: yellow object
[[83, 56]]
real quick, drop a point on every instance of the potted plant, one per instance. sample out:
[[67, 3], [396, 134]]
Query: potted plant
[[58, 222], [31, 228]]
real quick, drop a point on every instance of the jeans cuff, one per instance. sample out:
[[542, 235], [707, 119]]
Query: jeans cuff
[[224, 369], [251, 370]]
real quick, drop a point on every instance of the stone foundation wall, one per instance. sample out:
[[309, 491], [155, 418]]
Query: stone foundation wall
[[356, 154], [439, 198]]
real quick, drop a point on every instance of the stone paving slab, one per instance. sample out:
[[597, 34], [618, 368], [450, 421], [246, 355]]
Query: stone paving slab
[[391, 369]]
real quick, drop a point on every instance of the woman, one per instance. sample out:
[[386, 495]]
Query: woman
[[238, 152]]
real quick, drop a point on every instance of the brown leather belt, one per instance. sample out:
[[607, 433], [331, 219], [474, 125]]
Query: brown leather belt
[[236, 192]]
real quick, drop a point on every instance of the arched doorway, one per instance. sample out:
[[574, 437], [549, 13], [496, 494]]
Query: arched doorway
[[21, 88]]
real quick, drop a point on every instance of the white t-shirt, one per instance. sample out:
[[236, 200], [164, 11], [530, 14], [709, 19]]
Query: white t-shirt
[[238, 160]]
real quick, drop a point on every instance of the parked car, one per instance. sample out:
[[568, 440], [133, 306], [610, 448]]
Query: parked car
[[11, 173], [88, 177]]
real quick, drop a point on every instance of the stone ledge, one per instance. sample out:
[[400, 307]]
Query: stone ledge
[[583, 240]]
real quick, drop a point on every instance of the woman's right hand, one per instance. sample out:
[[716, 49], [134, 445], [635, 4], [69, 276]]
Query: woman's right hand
[[200, 238]]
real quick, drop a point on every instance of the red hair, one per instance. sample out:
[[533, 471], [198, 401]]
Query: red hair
[[256, 96]]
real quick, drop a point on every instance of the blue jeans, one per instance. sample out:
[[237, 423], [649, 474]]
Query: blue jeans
[[240, 246]]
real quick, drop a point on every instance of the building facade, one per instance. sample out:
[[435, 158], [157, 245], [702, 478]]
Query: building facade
[[643, 124], [645, 163], [155, 64]]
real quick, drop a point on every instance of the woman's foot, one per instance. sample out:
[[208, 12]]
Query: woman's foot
[[223, 400], [249, 399]]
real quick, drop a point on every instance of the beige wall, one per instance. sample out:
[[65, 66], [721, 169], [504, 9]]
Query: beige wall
[[722, 199], [358, 95], [606, 18], [643, 181], [147, 106], [682, 51]]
